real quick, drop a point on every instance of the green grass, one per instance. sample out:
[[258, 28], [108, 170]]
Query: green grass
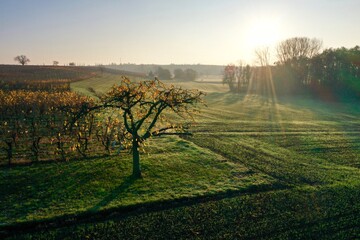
[[312, 213], [284, 170], [100, 83], [105, 81], [176, 169]]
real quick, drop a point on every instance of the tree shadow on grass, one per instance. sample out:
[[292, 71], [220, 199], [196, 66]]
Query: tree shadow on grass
[[128, 181]]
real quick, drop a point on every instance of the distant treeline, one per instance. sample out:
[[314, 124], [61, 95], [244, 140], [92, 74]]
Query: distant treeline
[[334, 71], [201, 69], [178, 74], [301, 69], [162, 73]]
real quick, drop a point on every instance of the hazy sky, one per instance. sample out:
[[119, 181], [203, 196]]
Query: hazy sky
[[167, 31]]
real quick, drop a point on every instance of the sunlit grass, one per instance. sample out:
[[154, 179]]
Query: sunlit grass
[[100, 83], [173, 168]]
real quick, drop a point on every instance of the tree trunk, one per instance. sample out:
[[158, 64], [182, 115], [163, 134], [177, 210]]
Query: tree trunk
[[9, 151], [136, 159]]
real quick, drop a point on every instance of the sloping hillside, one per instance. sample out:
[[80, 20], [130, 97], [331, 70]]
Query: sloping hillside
[[72, 73]]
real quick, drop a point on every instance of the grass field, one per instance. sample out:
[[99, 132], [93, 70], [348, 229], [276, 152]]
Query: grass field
[[173, 169], [104, 81], [253, 169], [100, 83]]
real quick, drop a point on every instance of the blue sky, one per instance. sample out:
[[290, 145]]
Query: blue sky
[[167, 31]]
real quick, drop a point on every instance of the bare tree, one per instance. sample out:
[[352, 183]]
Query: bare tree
[[294, 54], [143, 105], [229, 77], [263, 72], [263, 56], [297, 48], [243, 73], [237, 77], [22, 59]]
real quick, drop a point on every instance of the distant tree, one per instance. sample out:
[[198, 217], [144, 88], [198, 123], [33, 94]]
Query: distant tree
[[22, 59], [294, 56], [179, 74], [187, 75], [247, 74], [72, 64], [263, 72], [237, 77], [263, 56], [163, 74], [243, 75], [55, 63], [143, 106], [190, 74], [229, 77]]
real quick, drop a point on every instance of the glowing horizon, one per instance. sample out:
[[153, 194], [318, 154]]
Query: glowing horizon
[[161, 32]]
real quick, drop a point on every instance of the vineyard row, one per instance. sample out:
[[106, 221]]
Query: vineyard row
[[36, 126]]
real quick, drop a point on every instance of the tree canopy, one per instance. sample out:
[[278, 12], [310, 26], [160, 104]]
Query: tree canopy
[[187, 75], [22, 59], [297, 48], [163, 74], [143, 106]]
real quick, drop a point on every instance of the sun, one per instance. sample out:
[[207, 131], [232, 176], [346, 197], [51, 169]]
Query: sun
[[262, 32]]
